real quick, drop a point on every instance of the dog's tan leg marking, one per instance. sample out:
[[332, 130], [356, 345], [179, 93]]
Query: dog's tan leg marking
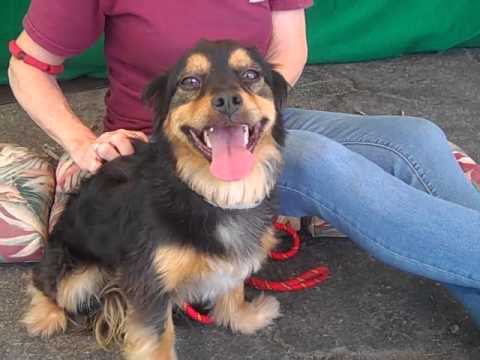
[[177, 264], [231, 310], [269, 241], [44, 317], [144, 343], [79, 286]]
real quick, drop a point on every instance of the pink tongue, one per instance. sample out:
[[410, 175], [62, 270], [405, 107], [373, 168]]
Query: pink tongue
[[230, 159]]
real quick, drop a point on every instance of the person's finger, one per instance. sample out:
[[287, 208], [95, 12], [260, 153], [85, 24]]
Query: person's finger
[[94, 165], [106, 137], [106, 151], [122, 143], [136, 135]]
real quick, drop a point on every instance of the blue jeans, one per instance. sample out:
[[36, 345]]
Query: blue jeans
[[392, 185]]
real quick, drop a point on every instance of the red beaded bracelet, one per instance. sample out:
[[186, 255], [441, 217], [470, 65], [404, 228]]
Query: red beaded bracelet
[[18, 53]]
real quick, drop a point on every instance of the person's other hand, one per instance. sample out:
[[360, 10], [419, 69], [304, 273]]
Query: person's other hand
[[91, 154]]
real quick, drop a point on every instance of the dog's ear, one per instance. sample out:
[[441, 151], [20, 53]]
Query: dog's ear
[[157, 96], [280, 89], [155, 90]]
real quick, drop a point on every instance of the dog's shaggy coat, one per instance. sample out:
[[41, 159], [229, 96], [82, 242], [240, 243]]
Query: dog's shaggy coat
[[158, 227]]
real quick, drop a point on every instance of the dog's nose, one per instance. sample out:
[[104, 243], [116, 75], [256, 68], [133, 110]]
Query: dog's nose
[[227, 103]]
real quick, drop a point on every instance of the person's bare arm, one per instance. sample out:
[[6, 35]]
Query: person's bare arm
[[41, 97], [288, 48]]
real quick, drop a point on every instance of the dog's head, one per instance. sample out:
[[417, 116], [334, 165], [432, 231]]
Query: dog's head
[[219, 108]]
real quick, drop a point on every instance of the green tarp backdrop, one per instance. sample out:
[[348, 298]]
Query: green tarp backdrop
[[338, 31]]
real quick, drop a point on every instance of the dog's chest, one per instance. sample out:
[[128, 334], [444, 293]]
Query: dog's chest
[[225, 275], [223, 278]]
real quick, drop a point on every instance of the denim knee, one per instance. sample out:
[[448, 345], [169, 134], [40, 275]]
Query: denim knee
[[410, 148], [403, 133], [419, 131]]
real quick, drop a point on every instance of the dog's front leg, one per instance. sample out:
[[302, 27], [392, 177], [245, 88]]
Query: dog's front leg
[[149, 330], [148, 338], [245, 317]]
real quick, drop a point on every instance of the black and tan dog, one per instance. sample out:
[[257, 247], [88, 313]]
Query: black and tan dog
[[187, 218]]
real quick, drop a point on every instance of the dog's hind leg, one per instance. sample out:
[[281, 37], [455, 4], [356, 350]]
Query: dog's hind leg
[[58, 287], [233, 311], [44, 317], [80, 288]]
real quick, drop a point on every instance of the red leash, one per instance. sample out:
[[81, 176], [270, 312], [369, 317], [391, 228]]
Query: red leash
[[306, 280], [195, 315], [281, 256]]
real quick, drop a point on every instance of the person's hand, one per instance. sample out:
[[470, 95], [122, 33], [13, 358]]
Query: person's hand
[[93, 152]]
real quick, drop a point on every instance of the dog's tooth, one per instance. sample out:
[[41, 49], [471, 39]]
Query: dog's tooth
[[206, 138], [246, 134]]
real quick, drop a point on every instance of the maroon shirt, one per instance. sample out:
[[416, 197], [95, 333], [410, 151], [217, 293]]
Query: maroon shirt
[[143, 38]]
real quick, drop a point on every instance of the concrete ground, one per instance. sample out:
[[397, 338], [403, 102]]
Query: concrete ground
[[366, 311]]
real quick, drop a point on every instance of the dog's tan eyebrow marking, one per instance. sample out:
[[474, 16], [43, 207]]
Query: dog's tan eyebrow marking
[[239, 58], [197, 63]]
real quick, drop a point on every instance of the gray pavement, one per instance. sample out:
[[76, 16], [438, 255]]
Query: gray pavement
[[366, 311]]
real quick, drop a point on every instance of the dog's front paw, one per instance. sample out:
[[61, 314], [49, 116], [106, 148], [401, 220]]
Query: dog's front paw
[[255, 315], [151, 354]]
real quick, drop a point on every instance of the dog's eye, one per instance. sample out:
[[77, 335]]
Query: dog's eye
[[250, 75], [191, 83]]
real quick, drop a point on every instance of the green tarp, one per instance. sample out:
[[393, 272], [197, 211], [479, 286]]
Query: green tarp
[[355, 30], [338, 31]]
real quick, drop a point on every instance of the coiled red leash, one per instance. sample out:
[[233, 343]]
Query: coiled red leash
[[281, 256], [306, 280]]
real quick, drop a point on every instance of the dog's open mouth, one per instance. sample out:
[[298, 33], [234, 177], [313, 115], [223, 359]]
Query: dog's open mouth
[[229, 148]]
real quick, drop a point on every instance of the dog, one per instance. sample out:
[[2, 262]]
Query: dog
[[186, 218]]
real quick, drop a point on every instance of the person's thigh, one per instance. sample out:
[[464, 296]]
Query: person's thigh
[[414, 150]]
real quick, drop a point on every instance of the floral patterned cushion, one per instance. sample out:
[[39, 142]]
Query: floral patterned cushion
[[26, 195], [469, 167]]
